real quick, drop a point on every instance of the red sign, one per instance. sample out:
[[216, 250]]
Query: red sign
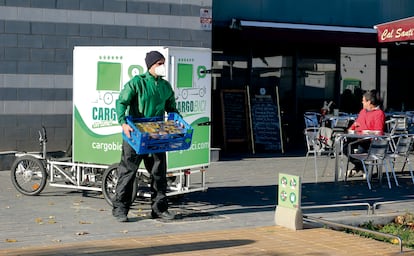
[[396, 31]]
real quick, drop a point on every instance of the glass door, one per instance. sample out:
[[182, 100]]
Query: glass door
[[315, 83]]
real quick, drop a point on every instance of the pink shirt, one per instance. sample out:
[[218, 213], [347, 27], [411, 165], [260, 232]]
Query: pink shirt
[[369, 120]]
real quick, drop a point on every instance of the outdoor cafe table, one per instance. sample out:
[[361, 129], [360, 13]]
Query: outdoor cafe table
[[338, 147]]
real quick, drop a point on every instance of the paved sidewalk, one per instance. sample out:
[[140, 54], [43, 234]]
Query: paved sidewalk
[[273, 240], [234, 217]]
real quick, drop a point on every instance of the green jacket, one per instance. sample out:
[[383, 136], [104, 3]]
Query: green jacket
[[145, 96]]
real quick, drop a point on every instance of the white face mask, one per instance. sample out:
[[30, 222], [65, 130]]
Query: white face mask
[[160, 70]]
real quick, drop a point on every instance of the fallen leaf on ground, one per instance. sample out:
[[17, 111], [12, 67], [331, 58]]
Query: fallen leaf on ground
[[84, 222], [395, 241], [8, 240], [140, 214]]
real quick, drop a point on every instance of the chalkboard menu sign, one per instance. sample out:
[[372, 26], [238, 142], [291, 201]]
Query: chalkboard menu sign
[[234, 106], [266, 123]]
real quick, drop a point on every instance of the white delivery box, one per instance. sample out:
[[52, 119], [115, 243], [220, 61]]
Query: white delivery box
[[99, 74]]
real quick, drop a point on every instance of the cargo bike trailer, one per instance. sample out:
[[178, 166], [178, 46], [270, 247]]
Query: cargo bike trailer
[[31, 172], [98, 75]]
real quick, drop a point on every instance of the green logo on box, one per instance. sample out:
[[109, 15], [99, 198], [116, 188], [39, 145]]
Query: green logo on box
[[109, 76], [184, 75]]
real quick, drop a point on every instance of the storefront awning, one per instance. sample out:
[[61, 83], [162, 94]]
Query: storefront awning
[[263, 24], [396, 31], [296, 33]]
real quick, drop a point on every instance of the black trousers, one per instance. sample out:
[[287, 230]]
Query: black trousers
[[359, 148], [156, 164]]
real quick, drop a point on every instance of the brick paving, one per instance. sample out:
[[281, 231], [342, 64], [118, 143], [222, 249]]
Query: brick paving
[[271, 240]]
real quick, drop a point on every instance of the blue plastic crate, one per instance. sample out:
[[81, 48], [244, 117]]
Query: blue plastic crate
[[155, 142]]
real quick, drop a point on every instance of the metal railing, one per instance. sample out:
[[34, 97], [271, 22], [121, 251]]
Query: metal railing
[[330, 223]]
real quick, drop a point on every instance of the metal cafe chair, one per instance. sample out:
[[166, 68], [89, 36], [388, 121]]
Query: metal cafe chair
[[397, 124], [312, 119], [375, 157], [340, 124], [318, 144], [401, 154]]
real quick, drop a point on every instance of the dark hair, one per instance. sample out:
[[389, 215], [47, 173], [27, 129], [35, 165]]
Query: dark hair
[[373, 97]]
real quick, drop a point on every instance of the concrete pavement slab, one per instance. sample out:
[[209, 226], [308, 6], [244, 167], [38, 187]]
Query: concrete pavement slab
[[241, 195]]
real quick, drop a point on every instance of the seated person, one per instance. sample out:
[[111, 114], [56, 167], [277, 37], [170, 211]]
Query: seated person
[[370, 118]]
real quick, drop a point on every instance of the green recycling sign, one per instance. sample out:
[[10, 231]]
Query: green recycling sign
[[289, 190]]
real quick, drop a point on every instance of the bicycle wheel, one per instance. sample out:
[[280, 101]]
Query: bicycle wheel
[[109, 181], [28, 175]]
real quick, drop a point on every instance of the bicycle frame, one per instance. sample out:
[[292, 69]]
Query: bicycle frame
[[62, 172]]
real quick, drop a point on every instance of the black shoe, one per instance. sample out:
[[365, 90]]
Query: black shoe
[[122, 218], [154, 215], [163, 215]]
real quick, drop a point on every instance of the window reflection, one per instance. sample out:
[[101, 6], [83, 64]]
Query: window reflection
[[358, 66]]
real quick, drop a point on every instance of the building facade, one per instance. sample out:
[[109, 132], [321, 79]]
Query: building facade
[[304, 53], [37, 38]]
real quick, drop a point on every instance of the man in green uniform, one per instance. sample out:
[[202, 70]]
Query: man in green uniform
[[146, 95]]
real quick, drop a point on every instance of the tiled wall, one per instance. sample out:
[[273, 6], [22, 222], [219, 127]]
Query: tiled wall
[[37, 38]]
